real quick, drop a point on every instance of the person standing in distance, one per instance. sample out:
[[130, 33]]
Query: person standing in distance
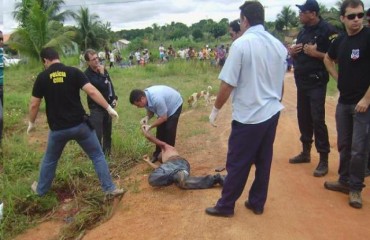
[[311, 79], [99, 117], [351, 52], [60, 86], [253, 74], [166, 103]]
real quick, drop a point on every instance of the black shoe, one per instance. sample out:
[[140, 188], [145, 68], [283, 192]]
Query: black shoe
[[301, 158], [254, 210], [355, 199], [337, 186], [215, 212], [321, 170]]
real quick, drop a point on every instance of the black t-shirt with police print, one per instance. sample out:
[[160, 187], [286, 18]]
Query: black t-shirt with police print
[[60, 86]]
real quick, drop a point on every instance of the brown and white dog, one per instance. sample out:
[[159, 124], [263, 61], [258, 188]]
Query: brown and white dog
[[193, 99]]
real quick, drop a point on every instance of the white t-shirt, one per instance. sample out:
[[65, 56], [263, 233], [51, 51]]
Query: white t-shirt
[[255, 67]]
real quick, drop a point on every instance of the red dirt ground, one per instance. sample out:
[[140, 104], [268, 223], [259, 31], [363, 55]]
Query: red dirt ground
[[298, 206]]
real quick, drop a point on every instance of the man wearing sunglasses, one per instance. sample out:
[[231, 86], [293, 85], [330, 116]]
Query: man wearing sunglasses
[[99, 117], [311, 79], [351, 52]]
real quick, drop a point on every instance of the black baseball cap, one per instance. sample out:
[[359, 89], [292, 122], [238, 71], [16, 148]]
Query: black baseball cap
[[310, 5]]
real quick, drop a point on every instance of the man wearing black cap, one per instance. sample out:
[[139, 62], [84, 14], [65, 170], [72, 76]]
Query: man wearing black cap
[[311, 79]]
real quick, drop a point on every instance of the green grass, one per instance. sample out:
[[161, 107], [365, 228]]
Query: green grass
[[75, 176]]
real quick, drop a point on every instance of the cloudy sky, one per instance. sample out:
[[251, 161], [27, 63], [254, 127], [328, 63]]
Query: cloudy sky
[[131, 14]]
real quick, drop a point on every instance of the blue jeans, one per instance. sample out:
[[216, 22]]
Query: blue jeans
[[166, 174], [88, 141], [353, 141]]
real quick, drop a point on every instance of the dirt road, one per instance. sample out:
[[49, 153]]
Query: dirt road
[[298, 206]]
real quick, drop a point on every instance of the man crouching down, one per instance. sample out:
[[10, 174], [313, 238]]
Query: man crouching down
[[175, 169]]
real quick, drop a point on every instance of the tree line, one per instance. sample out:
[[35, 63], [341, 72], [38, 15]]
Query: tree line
[[41, 24]]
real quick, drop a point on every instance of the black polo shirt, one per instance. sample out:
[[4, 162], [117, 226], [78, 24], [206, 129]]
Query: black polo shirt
[[104, 85], [353, 56], [60, 86], [310, 71]]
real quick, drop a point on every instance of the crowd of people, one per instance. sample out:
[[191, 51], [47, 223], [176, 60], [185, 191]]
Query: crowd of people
[[256, 98]]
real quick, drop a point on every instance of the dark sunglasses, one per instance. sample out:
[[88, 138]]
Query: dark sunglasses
[[354, 15]]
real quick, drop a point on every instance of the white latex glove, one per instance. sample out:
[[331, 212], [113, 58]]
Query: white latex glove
[[112, 112], [144, 120], [146, 127], [31, 126], [213, 116]]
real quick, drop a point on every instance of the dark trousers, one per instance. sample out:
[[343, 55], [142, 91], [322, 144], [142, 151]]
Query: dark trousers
[[248, 144], [102, 123], [353, 143], [311, 118], [166, 132], [166, 174]]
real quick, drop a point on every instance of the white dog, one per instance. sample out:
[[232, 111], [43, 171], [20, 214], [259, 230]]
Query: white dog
[[193, 99]]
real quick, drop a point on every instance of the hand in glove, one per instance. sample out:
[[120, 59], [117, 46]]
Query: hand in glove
[[213, 116], [31, 126], [112, 112], [144, 120]]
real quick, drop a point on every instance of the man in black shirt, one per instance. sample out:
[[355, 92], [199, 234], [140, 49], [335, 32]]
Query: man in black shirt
[[60, 86], [311, 79], [99, 117], [351, 51]]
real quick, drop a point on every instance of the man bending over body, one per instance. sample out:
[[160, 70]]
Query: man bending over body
[[175, 169]]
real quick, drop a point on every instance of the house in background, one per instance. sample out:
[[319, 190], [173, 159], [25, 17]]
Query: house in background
[[121, 44]]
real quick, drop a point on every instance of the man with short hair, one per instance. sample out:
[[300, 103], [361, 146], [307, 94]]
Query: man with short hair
[[99, 117], [311, 79], [60, 86], [166, 103], [351, 52], [253, 74], [234, 30]]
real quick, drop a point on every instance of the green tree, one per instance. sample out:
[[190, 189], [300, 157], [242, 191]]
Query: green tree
[[197, 34], [286, 19], [38, 31], [91, 32], [22, 10], [219, 29]]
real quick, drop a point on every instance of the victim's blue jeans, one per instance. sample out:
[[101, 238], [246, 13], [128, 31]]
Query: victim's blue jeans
[[88, 141], [353, 141]]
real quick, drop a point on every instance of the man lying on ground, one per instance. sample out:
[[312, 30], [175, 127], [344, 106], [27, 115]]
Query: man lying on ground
[[175, 169]]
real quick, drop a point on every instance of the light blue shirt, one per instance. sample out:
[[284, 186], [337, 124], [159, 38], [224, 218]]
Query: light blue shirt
[[255, 67], [162, 100]]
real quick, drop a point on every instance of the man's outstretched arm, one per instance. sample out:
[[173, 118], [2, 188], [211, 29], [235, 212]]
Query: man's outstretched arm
[[153, 139], [147, 160]]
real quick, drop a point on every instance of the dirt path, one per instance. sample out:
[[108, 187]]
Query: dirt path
[[298, 206]]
